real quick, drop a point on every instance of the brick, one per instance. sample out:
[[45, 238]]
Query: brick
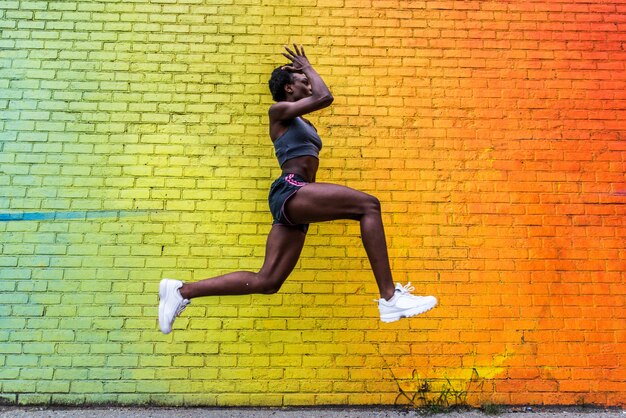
[[53, 387]]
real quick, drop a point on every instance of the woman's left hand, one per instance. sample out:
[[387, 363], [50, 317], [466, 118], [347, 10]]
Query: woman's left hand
[[298, 59]]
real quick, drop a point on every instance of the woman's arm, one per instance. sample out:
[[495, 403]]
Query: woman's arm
[[320, 98]]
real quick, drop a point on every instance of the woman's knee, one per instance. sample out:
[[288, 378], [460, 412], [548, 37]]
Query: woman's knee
[[268, 285], [370, 204], [271, 290]]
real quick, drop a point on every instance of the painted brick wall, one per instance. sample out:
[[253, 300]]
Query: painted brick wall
[[134, 146]]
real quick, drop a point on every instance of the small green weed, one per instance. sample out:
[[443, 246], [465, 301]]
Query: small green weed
[[490, 409], [434, 397]]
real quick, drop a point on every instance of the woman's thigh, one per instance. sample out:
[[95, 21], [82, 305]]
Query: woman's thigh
[[319, 202]]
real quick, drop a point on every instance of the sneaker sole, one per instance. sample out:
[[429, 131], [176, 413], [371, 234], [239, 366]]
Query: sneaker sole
[[407, 314]]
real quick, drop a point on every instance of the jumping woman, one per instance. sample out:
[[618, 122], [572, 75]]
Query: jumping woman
[[295, 201]]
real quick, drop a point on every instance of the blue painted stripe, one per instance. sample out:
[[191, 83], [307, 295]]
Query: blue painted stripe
[[62, 215]]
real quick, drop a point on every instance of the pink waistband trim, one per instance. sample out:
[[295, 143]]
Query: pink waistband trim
[[289, 179]]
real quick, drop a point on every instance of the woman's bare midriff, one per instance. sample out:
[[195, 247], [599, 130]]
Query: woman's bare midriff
[[305, 167]]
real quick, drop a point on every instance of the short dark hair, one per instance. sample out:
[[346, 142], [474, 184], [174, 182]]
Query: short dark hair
[[279, 79]]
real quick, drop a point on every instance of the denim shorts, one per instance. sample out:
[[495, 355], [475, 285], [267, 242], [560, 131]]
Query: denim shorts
[[282, 189]]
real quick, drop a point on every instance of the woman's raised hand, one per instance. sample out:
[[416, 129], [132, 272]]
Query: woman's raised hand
[[298, 60]]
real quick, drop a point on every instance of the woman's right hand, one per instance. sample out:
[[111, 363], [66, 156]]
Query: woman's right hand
[[298, 59]]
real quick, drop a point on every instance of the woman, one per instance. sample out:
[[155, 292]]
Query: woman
[[296, 200]]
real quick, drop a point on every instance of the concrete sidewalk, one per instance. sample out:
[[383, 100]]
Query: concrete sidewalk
[[334, 412]]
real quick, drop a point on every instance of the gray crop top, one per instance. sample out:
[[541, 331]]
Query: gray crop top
[[299, 140]]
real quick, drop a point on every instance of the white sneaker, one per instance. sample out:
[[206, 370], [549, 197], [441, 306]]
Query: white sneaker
[[403, 304], [171, 303]]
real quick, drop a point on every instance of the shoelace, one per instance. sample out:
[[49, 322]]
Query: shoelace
[[407, 288], [182, 307]]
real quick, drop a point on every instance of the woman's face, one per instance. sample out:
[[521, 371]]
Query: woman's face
[[301, 87]]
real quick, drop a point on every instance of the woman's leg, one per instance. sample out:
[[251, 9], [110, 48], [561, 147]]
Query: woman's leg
[[318, 202], [283, 248]]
